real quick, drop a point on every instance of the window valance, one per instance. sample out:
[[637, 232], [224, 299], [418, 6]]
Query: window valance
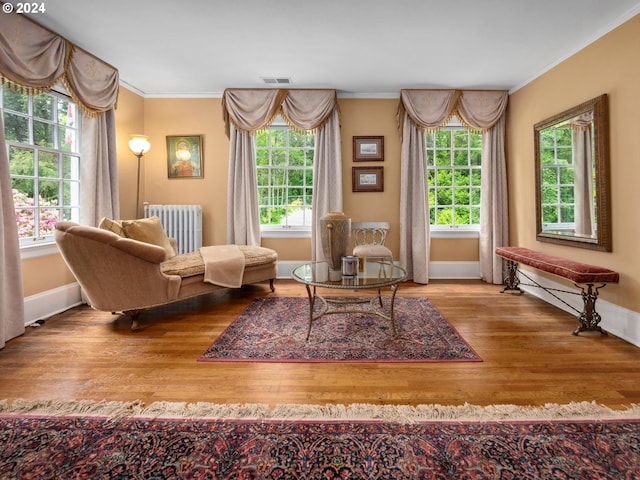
[[34, 59], [432, 109], [254, 109]]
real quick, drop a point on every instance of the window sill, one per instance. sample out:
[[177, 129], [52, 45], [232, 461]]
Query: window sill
[[35, 251], [286, 233]]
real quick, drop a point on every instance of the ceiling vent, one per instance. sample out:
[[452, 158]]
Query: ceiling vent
[[276, 80]]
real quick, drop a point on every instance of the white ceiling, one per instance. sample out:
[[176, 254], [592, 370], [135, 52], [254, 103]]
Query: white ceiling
[[362, 48]]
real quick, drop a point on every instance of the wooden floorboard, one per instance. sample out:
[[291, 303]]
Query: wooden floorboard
[[529, 357]]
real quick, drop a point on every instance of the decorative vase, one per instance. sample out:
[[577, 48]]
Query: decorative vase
[[335, 234]]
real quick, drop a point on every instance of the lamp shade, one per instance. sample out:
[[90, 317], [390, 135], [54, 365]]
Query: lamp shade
[[139, 144]]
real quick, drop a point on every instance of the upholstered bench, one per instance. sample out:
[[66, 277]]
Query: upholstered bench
[[581, 274]]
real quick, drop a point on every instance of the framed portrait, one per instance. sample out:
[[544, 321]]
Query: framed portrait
[[367, 179], [184, 156], [368, 149]]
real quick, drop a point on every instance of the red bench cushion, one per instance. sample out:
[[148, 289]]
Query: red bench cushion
[[575, 271]]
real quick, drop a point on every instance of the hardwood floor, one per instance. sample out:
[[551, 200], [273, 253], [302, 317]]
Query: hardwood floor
[[529, 357]]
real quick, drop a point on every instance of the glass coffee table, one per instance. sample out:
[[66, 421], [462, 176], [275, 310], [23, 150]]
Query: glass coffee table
[[371, 275]]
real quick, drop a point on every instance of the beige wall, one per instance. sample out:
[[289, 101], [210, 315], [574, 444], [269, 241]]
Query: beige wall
[[611, 65], [129, 121], [204, 117], [160, 117]]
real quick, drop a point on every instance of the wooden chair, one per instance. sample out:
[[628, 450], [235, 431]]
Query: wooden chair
[[369, 239]]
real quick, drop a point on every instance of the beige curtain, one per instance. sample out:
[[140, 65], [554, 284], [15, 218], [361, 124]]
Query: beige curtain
[[485, 111], [317, 110], [32, 60], [11, 294], [247, 110], [243, 221], [327, 178], [422, 110], [99, 175], [30, 55], [414, 204], [418, 111], [584, 209]]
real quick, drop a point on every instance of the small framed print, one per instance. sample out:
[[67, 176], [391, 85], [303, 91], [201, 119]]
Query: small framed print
[[367, 179], [184, 156], [368, 149]]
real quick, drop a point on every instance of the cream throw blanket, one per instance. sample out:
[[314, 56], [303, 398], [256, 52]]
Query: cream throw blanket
[[223, 265]]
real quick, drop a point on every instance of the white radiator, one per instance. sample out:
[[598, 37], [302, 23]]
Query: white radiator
[[182, 222]]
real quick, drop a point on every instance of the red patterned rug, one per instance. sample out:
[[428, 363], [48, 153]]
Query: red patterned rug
[[253, 446], [275, 328]]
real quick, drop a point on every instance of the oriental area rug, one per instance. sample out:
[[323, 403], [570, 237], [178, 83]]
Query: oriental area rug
[[275, 329], [82, 440]]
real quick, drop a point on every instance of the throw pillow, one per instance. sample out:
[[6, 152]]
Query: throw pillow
[[149, 230], [111, 225]]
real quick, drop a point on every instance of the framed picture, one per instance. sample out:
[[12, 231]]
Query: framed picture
[[367, 179], [368, 149], [184, 156]]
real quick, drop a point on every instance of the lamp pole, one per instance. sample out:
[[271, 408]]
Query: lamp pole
[[139, 145], [139, 155]]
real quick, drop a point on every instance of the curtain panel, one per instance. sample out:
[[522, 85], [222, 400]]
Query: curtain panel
[[584, 208], [11, 293], [429, 110], [246, 111], [33, 60]]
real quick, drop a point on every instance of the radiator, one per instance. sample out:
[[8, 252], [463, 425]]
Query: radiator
[[182, 222]]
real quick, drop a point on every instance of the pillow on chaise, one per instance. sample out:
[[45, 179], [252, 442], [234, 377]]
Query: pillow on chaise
[[112, 225], [149, 230]]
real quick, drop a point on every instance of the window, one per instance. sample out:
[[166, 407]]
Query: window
[[42, 136], [556, 172], [284, 158], [453, 174]]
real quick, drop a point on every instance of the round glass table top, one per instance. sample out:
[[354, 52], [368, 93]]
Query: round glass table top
[[371, 274]]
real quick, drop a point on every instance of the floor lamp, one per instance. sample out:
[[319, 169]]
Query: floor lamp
[[139, 145]]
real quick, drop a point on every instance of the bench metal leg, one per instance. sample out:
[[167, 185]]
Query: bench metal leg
[[589, 318], [512, 281]]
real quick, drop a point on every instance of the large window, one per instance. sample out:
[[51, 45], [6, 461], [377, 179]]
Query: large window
[[557, 176], [284, 159], [453, 174], [42, 136]]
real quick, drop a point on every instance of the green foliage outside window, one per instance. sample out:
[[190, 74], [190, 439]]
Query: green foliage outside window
[[44, 163], [284, 163], [557, 176], [454, 158]]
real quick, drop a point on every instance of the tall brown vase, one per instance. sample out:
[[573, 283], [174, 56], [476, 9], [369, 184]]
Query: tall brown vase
[[335, 234]]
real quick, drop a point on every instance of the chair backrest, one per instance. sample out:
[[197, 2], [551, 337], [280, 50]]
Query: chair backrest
[[115, 273], [369, 233]]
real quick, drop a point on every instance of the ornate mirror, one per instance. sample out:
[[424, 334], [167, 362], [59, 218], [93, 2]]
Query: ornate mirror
[[572, 177]]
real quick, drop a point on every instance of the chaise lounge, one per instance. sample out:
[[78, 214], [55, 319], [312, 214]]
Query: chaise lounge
[[122, 274]]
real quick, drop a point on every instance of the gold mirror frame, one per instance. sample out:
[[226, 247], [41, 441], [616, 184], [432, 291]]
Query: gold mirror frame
[[602, 240]]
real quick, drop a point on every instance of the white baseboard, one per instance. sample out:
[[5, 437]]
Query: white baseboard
[[45, 304], [454, 270], [285, 267], [619, 321]]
